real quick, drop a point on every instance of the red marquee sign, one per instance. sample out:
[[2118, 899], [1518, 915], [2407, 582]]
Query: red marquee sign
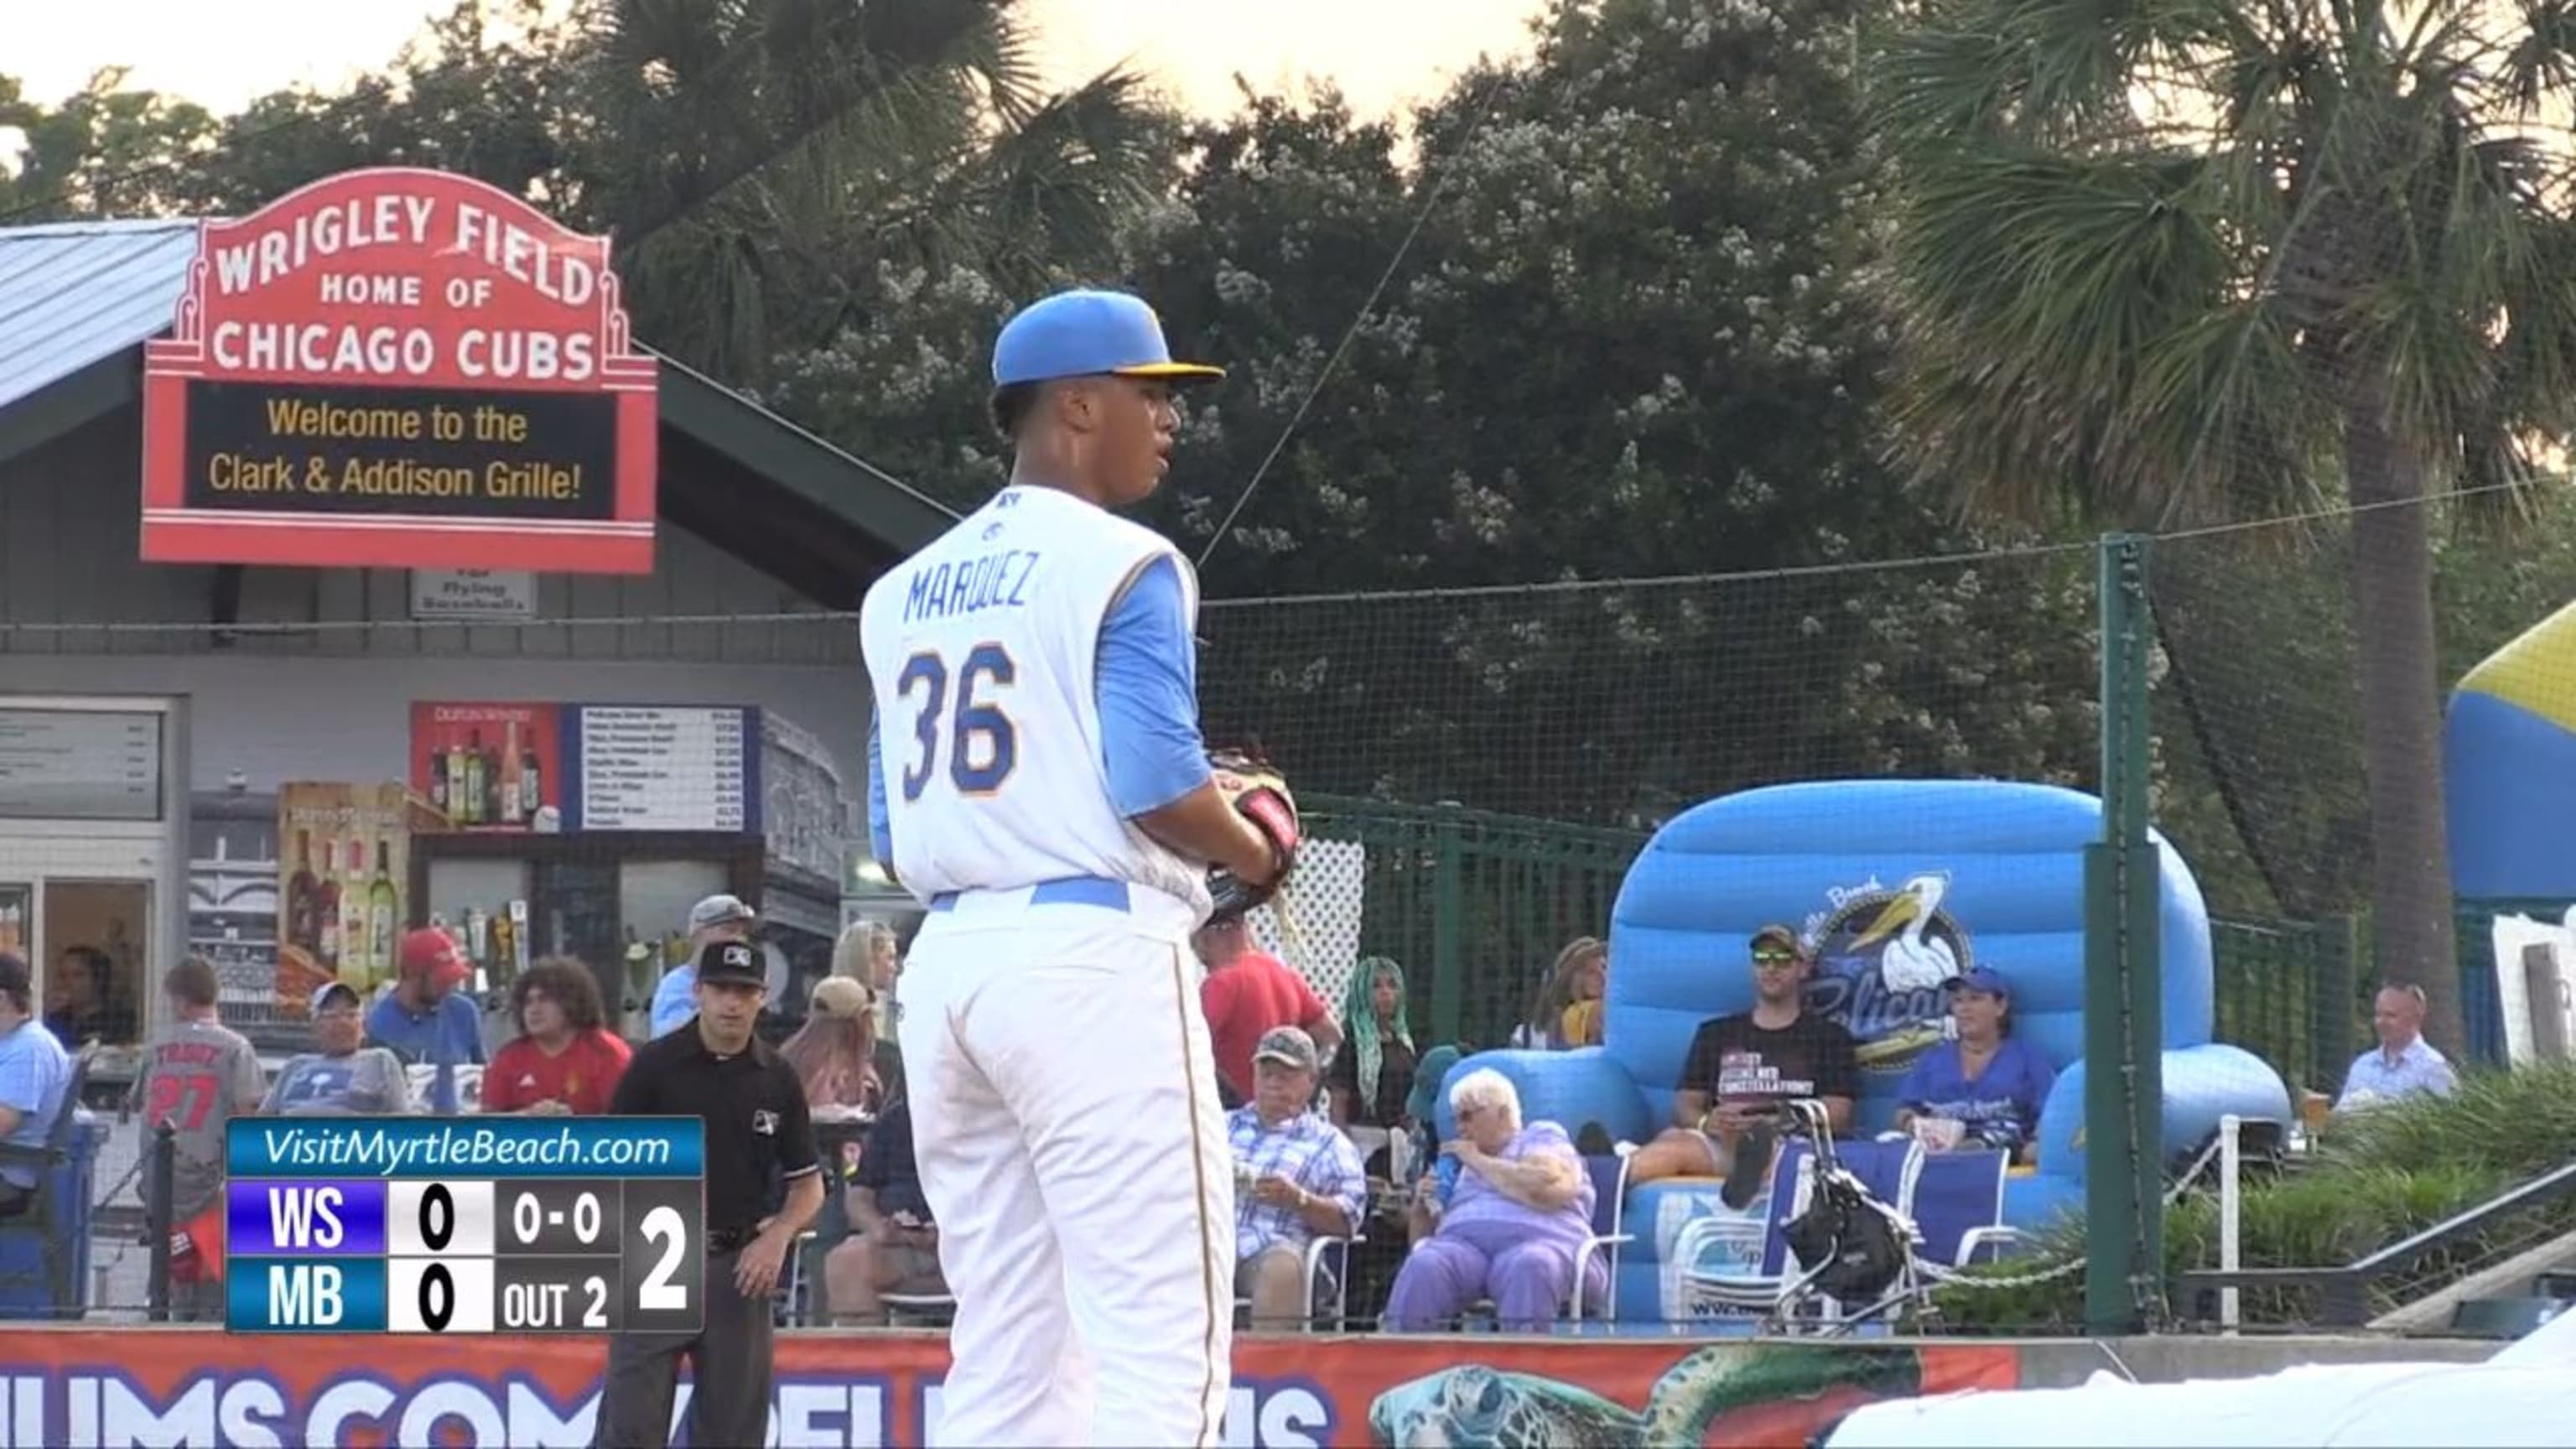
[[398, 368]]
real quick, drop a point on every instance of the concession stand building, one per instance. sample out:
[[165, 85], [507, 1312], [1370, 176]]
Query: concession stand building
[[357, 571]]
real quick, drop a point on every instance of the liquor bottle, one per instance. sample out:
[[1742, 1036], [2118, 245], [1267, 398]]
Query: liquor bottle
[[357, 941], [491, 785], [438, 779], [505, 950], [329, 942], [532, 792], [303, 897], [512, 764], [381, 912], [474, 780], [456, 807]]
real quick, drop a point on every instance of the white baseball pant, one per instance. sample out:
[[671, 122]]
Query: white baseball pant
[[1070, 1144]]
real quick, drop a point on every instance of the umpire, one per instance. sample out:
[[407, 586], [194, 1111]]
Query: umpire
[[760, 1146]]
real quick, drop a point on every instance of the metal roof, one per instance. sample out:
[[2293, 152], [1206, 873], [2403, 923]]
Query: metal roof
[[79, 293]]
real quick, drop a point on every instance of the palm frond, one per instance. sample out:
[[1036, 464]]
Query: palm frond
[[2071, 300]]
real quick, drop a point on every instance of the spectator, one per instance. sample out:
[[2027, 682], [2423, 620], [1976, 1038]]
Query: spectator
[[197, 1075], [834, 1052], [565, 1061], [35, 1076], [717, 918], [895, 1248], [2403, 1063], [1744, 1070], [425, 1019], [1246, 993], [345, 1077], [1297, 1179], [1373, 1075], [1502, 1218], [866, 954], [1566, 1012], [1985, 1087]]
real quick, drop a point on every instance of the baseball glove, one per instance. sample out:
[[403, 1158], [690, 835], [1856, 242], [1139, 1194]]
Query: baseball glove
[[1260, 794]]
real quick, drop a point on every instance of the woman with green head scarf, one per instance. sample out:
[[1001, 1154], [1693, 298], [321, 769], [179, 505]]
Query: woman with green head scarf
[[1373, 1075]]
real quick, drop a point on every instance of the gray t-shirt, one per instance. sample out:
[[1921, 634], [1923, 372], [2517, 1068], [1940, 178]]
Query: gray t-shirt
[[196, 1075], [368, 1082]]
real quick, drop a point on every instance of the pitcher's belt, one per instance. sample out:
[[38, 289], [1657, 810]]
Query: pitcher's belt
[[1072, 890]]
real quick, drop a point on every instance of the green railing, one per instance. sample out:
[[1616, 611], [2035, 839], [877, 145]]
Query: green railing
[[1475, 905], [1472, 904], [2286, 993]]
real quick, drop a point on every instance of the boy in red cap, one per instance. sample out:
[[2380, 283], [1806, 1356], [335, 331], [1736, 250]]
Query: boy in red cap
[[425, 1019]]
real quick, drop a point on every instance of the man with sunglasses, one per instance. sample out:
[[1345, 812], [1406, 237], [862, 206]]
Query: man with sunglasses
[[1742, 1072]]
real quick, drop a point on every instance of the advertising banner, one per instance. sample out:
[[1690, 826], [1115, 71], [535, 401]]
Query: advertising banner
[[399, 368], [83, 1389], [489, 766], [344, 864]]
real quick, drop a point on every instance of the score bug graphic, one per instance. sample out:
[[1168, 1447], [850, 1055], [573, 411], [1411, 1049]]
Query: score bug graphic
[[465, 1225]]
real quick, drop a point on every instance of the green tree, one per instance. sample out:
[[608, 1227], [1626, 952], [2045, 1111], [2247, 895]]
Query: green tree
[[103, 151], [763, 167], [2325, 249], [764, 160], [1633, 337]]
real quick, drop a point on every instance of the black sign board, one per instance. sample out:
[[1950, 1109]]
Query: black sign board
[[424, 452]]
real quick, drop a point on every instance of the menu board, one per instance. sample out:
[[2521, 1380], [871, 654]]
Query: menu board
[[61, 764], [667, 767]]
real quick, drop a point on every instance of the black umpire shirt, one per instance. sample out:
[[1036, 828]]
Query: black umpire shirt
[[759, 1134]]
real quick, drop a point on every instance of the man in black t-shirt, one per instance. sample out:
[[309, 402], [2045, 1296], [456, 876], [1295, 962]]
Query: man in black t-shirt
[[1744, 1070], [763, 1185]]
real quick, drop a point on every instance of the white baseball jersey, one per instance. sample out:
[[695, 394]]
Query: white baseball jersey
[[981, 652]]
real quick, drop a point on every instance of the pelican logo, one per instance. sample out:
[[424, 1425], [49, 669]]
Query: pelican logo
[[1881, 956]]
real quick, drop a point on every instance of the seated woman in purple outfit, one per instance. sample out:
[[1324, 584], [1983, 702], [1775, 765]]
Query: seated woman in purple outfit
[[1502, 1218], [1984, 1088]]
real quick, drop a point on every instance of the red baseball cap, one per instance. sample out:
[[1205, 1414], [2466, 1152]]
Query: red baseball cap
[[431, 952]]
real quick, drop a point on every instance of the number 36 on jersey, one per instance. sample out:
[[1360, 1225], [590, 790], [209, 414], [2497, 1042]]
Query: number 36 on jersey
[[959, 726]]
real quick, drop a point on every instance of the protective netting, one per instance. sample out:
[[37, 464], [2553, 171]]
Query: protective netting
[[2263, 707], [1481, 770], [1514, 748]]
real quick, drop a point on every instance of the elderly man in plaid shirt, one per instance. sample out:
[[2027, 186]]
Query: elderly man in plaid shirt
[[1297, 1178]]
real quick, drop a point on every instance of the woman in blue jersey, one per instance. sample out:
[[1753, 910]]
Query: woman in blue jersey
[[1984, 1087]]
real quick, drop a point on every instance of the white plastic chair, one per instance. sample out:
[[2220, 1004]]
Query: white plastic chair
[[1335, 1308]]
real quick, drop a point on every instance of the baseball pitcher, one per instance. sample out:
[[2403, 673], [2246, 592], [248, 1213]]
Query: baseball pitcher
[[1037, 779]]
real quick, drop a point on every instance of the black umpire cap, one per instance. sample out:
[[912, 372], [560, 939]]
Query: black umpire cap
[[737, 962]]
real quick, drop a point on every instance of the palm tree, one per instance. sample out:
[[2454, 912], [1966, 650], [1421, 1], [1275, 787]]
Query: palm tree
[[2184, 261], [759, 157]]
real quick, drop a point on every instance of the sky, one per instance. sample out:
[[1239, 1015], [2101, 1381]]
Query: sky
[[1382, 53]]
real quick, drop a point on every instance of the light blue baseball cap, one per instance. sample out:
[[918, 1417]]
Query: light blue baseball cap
[[1085, 334]]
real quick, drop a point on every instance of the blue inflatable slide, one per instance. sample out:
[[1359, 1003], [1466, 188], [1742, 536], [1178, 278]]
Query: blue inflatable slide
[[1896, 884]]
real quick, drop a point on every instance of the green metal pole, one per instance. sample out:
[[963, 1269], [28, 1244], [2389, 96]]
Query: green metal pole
[[1448, 908], [2123, 980], [2337, 1029]]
